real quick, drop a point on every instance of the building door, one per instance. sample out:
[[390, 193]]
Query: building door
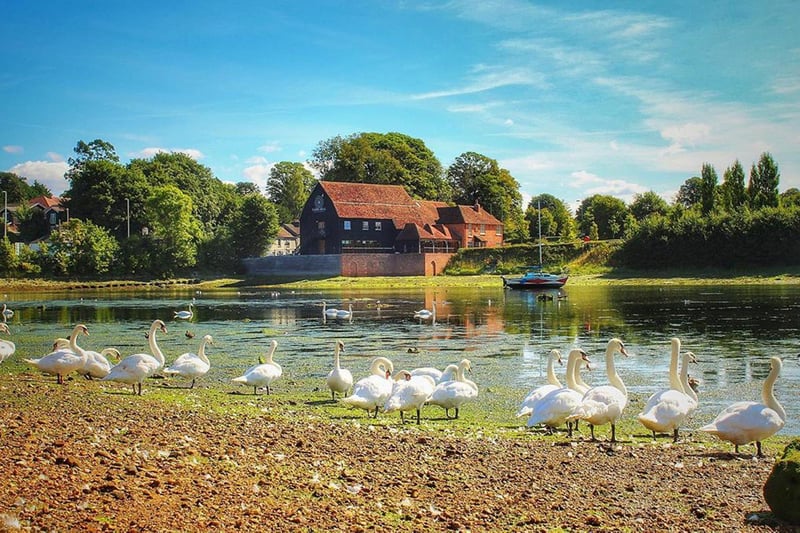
[[321, 246]]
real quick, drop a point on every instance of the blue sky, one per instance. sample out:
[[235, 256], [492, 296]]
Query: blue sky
[[574, 98]]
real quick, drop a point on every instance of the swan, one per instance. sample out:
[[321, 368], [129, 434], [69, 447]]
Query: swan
[[329, 313], [604, 404], [134, 368], [192, 365], [7, 348], [554, 408], [580, 385], [97, 365], [345, 313], [64, 360], [425, 313], [538, 393], [745, 422], [409, 393], [667, 410], [339, 379], [453, 394], [7, 313], [185, 315], [264, 373], [370, 393]]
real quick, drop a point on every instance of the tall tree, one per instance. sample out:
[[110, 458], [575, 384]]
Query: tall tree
[[690, 193], [175, 231], [82, 248], [732, 190], [475, 178], [18, 190], [96, 150], [243, 188], [764, 180], [647, 204], [708, 188], [790, 197], [390, 158], [609, 215], [253, 227], [288, 186], [556, 219]]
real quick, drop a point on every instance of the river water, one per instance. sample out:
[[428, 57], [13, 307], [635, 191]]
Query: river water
[[733, 330]]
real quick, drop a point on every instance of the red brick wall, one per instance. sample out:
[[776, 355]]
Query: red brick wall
[[364, 265]]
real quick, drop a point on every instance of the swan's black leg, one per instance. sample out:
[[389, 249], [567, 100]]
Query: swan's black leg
[[591, 430], [192, 385], [402, 420], [613, 433], [675, 435], [417, 416], [255, 390], [758, 447], [456, 412]]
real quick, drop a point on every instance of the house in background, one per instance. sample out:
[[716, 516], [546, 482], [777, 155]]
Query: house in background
[[287, 241], [346, 218], [48, 207]]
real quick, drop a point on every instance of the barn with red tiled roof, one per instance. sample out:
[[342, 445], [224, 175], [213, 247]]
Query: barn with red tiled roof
[[341, 217]]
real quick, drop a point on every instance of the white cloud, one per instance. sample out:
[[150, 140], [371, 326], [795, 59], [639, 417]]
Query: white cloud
[[151, 151], [591, 184], [486, 78], [48, 173], [258, 173], [508, 122], [270, 147], [53, 156], [13, 149], [257, 160]]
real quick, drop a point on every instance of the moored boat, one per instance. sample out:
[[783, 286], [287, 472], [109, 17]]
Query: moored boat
[[535, 278]]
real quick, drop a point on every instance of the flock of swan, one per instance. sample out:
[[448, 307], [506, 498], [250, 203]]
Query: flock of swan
[[551, 405], [665, 411]]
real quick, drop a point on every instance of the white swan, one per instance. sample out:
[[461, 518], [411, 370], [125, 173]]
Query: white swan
[[370, 393], [339, 379], [580, 385], [185, 315], [425, 313], [555, 407], [454, 394], [604, 404], [7, 313], [7, 348], [135, 368], [97, 365], [409, 393], [264, 373], [745, 422], [65, 360], [328, 312], [538, 393], [192, 365], [345, 313], [667, 410]]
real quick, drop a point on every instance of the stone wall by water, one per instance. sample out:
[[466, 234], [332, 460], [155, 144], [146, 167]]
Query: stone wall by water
[[353, 265]]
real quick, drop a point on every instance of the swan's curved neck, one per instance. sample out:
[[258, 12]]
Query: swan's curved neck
[[201, 352], [551, 373], [687, 389], [768, 391], [674, 379], [154, 345], [380, 366], [336, 357], [611, 371], [572, 362], [73, 342], [270, 353]]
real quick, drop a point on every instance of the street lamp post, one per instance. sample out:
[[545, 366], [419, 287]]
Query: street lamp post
[[5, 214], [128, 212]]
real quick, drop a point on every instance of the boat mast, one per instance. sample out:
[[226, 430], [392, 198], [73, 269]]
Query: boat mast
[[539, 210]]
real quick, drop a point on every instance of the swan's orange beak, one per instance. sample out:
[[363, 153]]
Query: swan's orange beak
[[622, 351]]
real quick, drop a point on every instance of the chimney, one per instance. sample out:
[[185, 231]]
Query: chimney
[[477, 207]]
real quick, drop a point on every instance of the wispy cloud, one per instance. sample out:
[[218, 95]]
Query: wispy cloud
[[486, 78], [54, 156], [13, 149], [48, 173], [270, 147], [151, 151]]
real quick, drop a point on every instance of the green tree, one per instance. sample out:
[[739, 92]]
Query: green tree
[[175, 232], [556, 219], [288, 187], [708, 188], [609, 214], [82, 248], [98, 193], [764, 180], [96, 150], [390, 158], [243, 188], [32, 225], [475, 178], [648, 204], [732, 191], [8, 259], [690, 193], [790, 198], [253, 227]]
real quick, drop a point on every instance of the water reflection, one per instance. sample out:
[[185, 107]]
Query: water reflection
[[507, 334]]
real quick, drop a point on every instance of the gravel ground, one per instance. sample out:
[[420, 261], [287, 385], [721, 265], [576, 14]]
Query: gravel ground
[[81, 457]]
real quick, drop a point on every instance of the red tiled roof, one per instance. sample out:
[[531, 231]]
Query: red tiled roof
[[413, 232], [45, 202], [465, 214], [369, 201]]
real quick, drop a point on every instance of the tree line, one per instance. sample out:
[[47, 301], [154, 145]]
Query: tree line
[[168, 214]]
